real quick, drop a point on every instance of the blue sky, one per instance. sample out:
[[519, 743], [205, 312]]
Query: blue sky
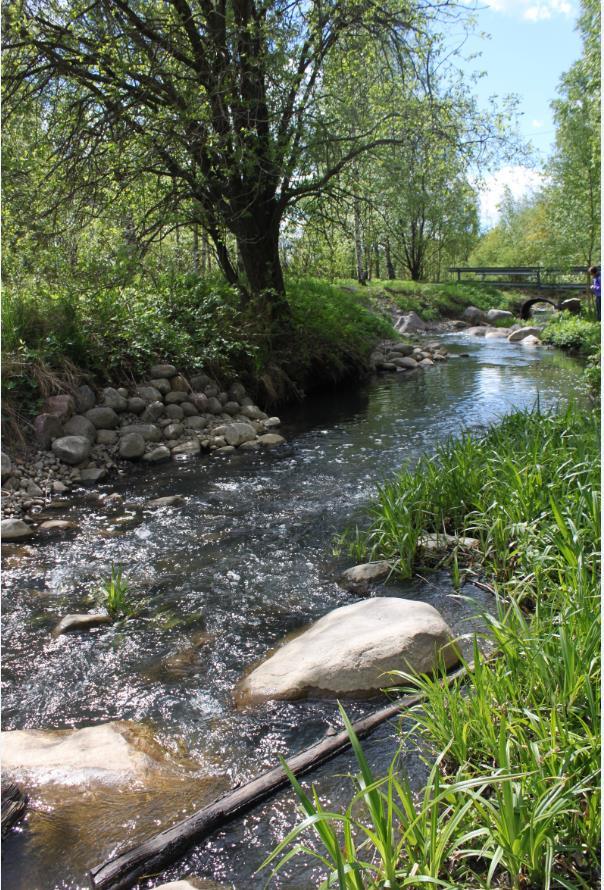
[[532, 43]]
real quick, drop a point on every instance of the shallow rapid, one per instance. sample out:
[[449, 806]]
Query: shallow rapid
[[217, 583]]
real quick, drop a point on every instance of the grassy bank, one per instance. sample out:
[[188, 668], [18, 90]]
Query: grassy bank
[[112, 335], [433, 301], [513, 796], [579, 335]]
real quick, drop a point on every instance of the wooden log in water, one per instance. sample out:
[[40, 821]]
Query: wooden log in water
[[160, 851], [13, 805]]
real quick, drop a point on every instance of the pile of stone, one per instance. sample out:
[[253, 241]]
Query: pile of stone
[[482, 326], [391, 355], [81, 437]]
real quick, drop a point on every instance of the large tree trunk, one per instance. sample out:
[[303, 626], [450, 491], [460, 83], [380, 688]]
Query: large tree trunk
[[358, 242], [390, 271]]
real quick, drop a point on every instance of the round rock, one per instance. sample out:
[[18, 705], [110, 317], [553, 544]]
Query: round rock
[[352, 649], [132, 446], [72, 449], [163, 371], [78, 425], [104, 418], [15, 530]]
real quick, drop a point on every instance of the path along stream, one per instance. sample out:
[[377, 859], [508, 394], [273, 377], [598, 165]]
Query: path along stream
[[246, 560]]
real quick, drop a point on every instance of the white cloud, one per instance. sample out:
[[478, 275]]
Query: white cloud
[[522, 182], [531, 11], [537, 124]]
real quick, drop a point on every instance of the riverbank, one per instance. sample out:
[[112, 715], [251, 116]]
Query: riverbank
[[519, 744]]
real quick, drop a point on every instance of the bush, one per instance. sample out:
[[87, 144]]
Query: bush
[[573, 333]]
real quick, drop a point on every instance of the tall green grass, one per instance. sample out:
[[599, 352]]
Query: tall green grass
[[513, 799]]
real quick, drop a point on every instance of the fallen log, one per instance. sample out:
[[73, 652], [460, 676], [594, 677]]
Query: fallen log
[[14, 804], [160, 851]]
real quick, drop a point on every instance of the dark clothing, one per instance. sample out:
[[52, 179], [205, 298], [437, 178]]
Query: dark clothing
[[596, 289]]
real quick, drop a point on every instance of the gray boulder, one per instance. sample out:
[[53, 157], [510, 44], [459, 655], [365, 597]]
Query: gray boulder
[[352, 650], [6, 465], [358, 578], [80, 622], [176, 396], [78, 425], [148, 431], [84, 399], [195, 423], [157, 455], [92, 475], [401, 348], [153, 412], [163, 371], [148, 393], [111, 398], [46, 428], [62, 406], [198, 381], [136, 405], [162, 384], [174, 430], [270, 440], [171, 500], [406, 362], [72, 449], [104, 418], [474, 315], [237, 391], [478, 331], [174, 412], [132, 446], [253, 412], [410, 323], [214, 405], [15, 530], [521, 333], [191, 446], [231, 408], [494, 315], [188, 409], [238, 433], [179, 384]]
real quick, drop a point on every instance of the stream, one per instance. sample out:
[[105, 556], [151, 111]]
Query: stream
[[219, 581]]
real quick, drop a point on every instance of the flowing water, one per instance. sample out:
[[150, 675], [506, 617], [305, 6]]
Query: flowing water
[[217, 583]]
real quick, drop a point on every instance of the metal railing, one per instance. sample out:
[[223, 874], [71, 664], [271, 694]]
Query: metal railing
[[539, 277]]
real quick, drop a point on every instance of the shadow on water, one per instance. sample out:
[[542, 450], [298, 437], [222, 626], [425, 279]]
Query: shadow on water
[[216, 583]]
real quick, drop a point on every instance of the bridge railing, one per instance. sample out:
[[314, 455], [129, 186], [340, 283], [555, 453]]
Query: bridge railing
[[539, 277]]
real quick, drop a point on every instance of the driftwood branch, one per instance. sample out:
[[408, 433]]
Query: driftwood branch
[[14, 804], [160, 851]]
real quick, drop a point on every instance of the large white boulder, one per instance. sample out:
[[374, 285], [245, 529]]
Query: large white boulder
[[494, 315], [352, 649], [110, 752], [521, 333], [408, 324], [474, 315]]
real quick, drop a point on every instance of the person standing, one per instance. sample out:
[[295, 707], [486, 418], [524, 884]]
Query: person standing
[[596, 288]]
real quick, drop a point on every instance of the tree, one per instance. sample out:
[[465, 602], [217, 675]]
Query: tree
[[220, 98]]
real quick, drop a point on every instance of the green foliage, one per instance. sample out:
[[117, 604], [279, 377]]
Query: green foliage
[[519, 804], [335, 329], [115, 334], [573, 333], [444, 299], [115, 594]]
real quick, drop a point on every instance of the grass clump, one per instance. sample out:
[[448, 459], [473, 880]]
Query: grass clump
[[114, 592], [513, 799]]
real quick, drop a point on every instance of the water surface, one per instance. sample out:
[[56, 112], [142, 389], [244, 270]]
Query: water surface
[[218, 582]]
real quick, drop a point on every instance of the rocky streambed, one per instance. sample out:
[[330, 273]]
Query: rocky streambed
[[225, 560]]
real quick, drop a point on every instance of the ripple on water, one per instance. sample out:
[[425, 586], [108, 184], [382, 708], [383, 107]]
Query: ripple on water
[[220, 580]]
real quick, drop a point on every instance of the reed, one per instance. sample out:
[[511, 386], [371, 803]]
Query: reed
[[513, 798]]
